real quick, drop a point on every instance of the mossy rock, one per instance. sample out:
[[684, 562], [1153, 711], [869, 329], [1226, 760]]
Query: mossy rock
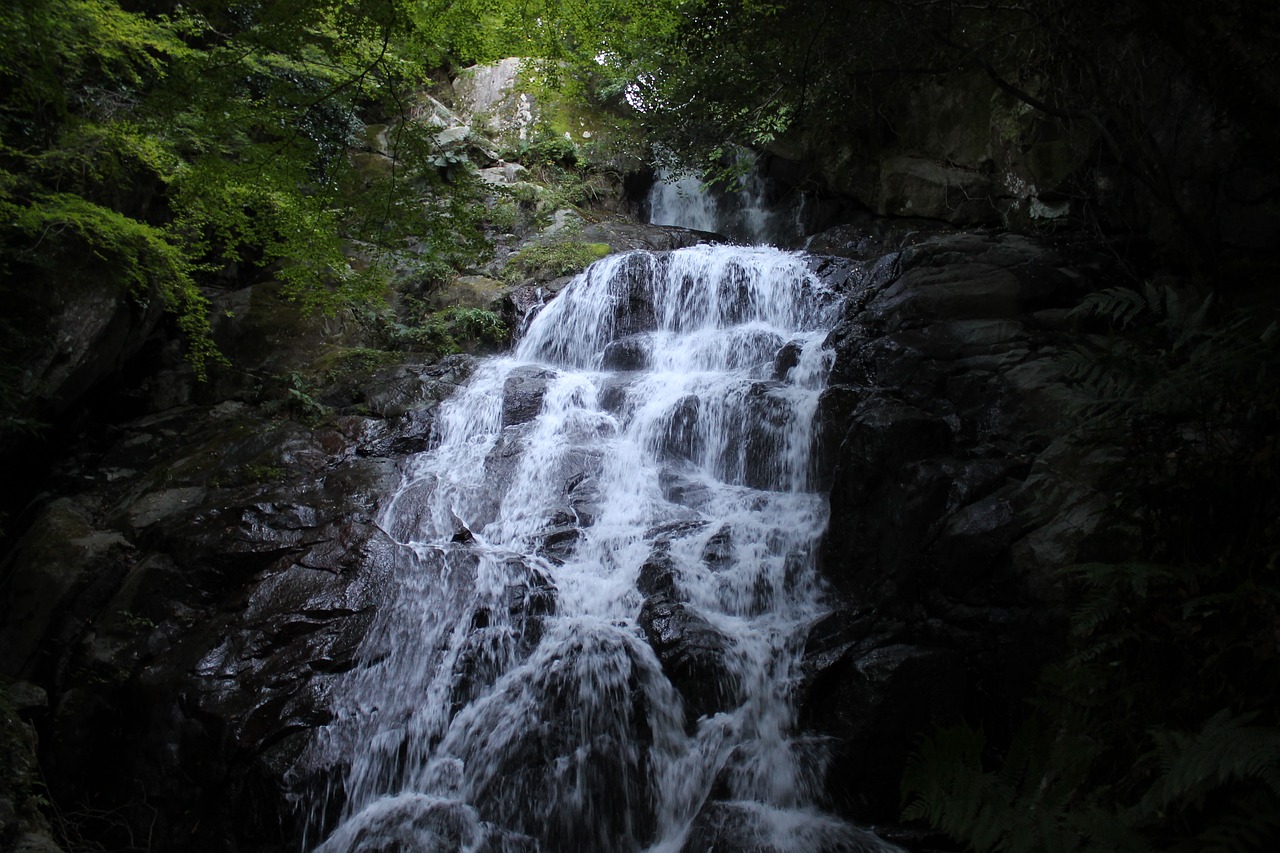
[[469, 291], [547, 262]]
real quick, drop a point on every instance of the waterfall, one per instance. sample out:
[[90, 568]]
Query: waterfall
[[744, 214], [605, 574]]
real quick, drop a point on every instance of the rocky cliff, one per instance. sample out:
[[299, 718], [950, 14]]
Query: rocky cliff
[[195, 578]]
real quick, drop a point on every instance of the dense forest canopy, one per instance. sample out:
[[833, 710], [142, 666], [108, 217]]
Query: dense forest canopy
[[176, 137]]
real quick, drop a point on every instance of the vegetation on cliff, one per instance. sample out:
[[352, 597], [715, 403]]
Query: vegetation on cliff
[[159, 153]]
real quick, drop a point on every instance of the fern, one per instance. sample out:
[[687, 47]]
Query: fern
[[944, 780], [1119, 305], [1252, 824], [1227, 749], [1032, 803]]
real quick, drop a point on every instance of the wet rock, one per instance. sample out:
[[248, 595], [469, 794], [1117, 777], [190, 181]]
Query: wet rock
[[542, 772], [657, 576], [520, 306], [633, 307], [627, 236], [523, 392], [558, 541], [627, 354], [758, 451], [875, 699], [692, 653], [519, 612], [613, 394], [461, 533], [787, 358], [197, 613], [684, 486], [583, 491], [681, 439], [751, 827], [718, 552]]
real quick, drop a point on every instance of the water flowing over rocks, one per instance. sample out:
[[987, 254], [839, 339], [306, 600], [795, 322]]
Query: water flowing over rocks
[[572, 650], [590, 596]]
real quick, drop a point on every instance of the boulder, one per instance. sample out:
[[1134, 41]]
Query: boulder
[[628, 354], [489, 97], [470, 291], [692, 652], [875, 698], [523, 392], [916, 186]]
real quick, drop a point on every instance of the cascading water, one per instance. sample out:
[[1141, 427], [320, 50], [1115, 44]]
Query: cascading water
[[604, 582], [743, 214]]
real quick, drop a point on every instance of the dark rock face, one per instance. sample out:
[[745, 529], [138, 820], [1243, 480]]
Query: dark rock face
[[207, 575], [945, 527], [626, 236], [523, 393], [627, 354]]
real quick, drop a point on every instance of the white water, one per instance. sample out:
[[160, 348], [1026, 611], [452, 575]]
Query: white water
[[744, 214], [508, 698]]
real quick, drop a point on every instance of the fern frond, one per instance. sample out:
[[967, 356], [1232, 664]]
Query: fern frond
[[1030, 804], [1119, 305], [1226, 749], [937, 771], [1194, 324]]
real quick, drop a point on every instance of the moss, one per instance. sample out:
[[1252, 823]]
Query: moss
[[558, 259], [340, 363], [262, 473]]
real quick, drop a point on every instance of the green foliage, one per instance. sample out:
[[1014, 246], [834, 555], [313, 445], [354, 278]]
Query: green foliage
[[1034, 801], [554, 260], [452, 330], [577, 32], [1227, 749], [145, 260], [175, 142], [296, 401], [259, 473]]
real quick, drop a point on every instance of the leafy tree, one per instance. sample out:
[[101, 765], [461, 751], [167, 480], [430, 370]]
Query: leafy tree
[[162, 141]]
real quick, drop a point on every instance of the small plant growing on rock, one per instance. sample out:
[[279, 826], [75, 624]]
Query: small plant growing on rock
[[450, 331]]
